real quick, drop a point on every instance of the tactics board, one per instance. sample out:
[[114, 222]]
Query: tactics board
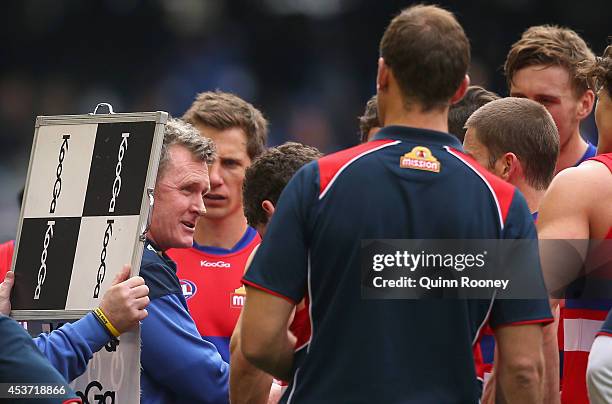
[[113, 373], [87, 197]]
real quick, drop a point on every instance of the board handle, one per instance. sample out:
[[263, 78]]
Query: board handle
[[147, 224], [103, 104]]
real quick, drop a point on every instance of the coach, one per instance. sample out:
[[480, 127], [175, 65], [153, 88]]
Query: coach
[[177, 364]]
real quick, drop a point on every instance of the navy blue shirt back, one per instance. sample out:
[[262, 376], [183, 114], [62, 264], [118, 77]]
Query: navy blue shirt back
[[391, 351]]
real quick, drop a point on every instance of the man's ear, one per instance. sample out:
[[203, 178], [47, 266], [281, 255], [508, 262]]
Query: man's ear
[[508, 167], [268, 207], [382, 76], [585, 104], [465, 83]]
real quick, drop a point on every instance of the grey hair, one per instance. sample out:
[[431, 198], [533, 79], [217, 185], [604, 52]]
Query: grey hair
[[179, 132]]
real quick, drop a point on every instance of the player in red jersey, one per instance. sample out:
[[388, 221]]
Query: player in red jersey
[[211, 270], [599, 370], [541, 66], [264, 182], [522, 152], [577, 207]]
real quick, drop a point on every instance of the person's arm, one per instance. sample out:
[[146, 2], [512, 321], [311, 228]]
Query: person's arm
[[563, 228], [520, 366], [176, 357], [518, 323], [70, 347], [265, 340], [21, 363], [550, 351], [599, 370], [5, 293], [248, 384]]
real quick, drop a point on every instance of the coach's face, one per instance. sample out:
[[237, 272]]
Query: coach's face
[[179, 193]]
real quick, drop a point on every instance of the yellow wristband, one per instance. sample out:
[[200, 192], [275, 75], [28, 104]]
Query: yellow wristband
[[109, 326]]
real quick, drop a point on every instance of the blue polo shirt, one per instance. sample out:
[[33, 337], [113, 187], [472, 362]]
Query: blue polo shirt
[[388, 351]]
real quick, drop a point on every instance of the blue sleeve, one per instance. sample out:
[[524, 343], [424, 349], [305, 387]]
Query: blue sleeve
[[22, 363], [176, 357], [606, 328], [70, 347], [280, 266], [526, 269]]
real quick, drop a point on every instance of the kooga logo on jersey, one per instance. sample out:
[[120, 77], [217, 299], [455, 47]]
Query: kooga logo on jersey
[[102, 268], [57, 186], [117, 183], [215, 264], [42, 270]]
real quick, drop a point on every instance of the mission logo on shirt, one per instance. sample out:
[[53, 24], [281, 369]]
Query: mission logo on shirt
[[420, 158]]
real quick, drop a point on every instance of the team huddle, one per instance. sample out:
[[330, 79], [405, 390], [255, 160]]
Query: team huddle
[[249, 289]]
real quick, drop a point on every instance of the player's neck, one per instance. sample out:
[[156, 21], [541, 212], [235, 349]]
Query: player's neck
[[571, 152], [604, 145], [532, 197], [433, 120], [222, 233]]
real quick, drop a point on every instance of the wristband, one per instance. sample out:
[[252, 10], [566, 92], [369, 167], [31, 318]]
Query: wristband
[[99, 314]]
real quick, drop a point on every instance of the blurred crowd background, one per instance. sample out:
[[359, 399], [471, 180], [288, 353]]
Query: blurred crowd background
[[309, 65]]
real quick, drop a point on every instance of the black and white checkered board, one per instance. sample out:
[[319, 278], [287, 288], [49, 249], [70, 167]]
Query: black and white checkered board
[[84, 208]]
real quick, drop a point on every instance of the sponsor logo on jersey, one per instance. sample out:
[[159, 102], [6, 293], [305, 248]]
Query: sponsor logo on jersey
[[188, 288], [237, 298], [215, 264], [420, 158]]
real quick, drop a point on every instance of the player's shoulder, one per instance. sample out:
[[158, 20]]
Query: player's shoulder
[[588, 181], [331, 165], [503, 193], [496, 184], [158, 273]]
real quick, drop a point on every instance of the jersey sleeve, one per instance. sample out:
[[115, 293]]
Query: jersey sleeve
[[22, 363], [280, 266], [70, 347], [606, 328], [176, 357], [526, 268]]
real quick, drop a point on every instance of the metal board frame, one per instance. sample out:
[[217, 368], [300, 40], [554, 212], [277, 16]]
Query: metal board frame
[[160, 118]]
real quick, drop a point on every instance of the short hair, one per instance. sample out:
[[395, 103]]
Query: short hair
[[221, 111], [369, 119], [181, 133], [474, 98], [428, 52], [266, 178], [549, 45], [523, 127], [598, 73]]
